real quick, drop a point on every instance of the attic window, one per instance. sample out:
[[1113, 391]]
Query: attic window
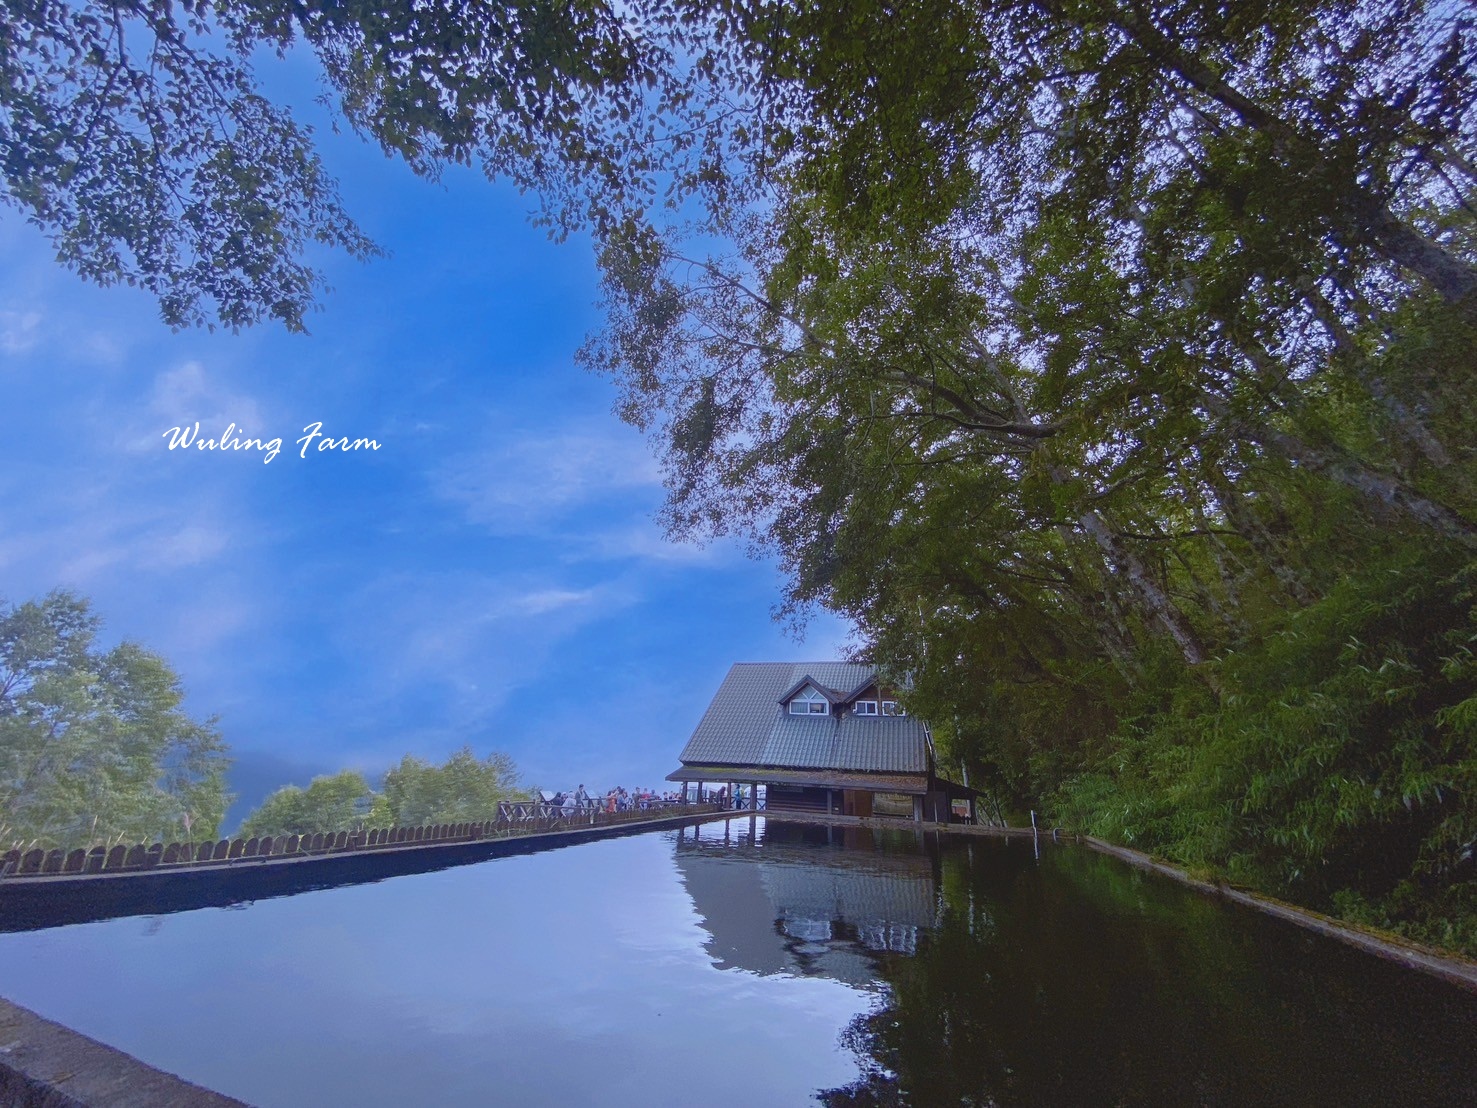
[[866, 708], [809, 703], [891, 708]]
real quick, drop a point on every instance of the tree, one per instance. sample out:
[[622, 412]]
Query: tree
[[94, 744], [134, 133], [1074, 349], [463, 789], [1326, 143], [331, 803], [1128, 260], [149, 159]]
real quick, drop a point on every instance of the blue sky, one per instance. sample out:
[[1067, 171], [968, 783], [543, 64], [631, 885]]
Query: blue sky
[[492, 575]]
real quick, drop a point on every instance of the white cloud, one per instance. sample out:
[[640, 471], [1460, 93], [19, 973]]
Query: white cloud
[[186, 395], [19, 331], [217, 615], [528, 480], [190, 545], [104, 527], [551, 600], [465, 641], [642, 540], [167, 570], [591, 490]]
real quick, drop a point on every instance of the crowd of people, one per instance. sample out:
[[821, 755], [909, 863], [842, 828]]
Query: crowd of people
[[617, 799], [620, 799]]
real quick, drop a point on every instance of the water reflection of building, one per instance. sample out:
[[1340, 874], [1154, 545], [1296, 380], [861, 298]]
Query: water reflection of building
[[814, 901]]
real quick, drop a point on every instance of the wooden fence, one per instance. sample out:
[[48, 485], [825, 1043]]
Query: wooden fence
[[519, 812], [512, 819]]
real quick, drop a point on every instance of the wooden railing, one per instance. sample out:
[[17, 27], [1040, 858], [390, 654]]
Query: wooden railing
[[511, 819], [580, 814]]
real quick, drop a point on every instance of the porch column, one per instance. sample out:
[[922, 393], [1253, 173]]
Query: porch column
[[917, 809]]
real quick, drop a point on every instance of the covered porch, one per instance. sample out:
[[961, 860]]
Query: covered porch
[[907, 796]]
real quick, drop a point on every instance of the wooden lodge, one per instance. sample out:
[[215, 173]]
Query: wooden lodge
[[822, 737]]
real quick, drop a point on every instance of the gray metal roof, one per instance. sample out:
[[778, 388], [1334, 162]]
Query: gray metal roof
[[746, 725]]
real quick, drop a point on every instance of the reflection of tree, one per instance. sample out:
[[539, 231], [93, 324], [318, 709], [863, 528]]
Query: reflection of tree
[[876, 1089], [1078, 981]]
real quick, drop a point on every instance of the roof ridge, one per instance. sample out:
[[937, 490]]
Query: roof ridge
[[812, 662]]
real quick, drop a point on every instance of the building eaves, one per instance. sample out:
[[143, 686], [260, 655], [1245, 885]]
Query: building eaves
[[823, 778]]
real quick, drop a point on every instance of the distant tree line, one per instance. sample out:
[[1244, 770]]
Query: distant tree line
[[95, 747], [461, 790]]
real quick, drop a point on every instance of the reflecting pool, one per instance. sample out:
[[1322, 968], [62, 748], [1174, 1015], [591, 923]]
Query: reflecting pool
[[756, 964]]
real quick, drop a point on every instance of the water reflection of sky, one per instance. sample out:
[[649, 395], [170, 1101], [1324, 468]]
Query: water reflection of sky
[[587, 972]]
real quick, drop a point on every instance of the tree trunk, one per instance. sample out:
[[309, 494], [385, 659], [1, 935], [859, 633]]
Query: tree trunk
[[1150, 593], [1262, 542], [1401, 417], [1366, 216], [1452, 278], [1099, 606], [1336, 462], [1379, 488]]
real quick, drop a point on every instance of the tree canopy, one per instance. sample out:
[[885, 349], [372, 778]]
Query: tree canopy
[[94, 744], [1109, 365], [147, 157], [136, 135], [338, 802], [463, 789]]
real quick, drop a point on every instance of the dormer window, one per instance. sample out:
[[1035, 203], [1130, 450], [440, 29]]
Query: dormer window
[[810, 703], [892, 708], [866, 708]]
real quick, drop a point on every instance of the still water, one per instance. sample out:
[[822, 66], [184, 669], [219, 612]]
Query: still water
[[755, 965]]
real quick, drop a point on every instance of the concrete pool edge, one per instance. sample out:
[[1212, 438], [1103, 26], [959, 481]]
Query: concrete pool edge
[[53, 900], [1451, 968], [44, 1064]]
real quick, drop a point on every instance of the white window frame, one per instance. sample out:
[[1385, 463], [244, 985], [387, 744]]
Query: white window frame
[[810, 702], [865, 708], [893, 708]]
